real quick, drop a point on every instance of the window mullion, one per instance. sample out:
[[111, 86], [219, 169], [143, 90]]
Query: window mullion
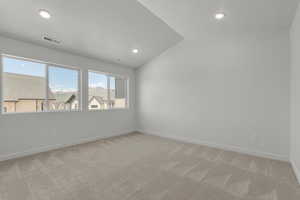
[[1, 85], [47, 88], [126, 85], [79, 92], [108, 93]]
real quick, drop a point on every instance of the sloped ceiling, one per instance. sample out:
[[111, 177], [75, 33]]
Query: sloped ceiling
[[110, 29], [195, 18], [101, 29]]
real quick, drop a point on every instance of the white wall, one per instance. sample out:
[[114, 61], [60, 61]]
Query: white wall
[[22, 134], [227, 91], [295, 94]]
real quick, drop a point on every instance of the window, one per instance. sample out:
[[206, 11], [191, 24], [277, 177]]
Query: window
[[118, 92], [107, 91], [24, 85], [30, 86], [36, 86], [98, 91], [63, 89]]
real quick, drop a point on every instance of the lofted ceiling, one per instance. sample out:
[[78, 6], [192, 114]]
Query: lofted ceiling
[[111, 29], [195, 18], [101, 29]]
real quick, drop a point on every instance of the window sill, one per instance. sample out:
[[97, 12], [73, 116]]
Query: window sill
[[67, 111], [108, 110], [58, 111]]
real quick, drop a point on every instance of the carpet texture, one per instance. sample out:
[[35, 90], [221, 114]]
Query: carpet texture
[[143, 167]]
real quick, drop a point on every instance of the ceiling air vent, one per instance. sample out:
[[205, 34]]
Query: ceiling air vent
[[51, 40]]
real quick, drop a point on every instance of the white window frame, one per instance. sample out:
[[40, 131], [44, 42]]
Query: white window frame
[[108, 75], [79, 78], [47, 64]]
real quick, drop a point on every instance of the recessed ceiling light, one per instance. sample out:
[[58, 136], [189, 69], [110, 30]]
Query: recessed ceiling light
[[44, 14], [135, 51], [219, 16]]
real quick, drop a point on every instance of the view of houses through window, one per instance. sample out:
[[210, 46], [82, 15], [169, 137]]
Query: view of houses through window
[[24, 86], [107, 91], [30, 86], [63, 89]]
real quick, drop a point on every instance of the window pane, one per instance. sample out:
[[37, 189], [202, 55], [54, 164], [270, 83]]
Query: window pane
[[98, 91], [24, 86], [64, 92], [118, 92]]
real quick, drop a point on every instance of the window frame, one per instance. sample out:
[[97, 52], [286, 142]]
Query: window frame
[[108, 74], [47, 64], [79, 78]]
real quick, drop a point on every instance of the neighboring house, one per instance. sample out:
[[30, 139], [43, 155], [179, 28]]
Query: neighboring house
[[24, 93], [64, 101], [98, 99], [96, 103]]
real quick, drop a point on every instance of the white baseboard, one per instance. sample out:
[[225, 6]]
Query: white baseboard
[[57, 146], [296, 170], [221, 146], [184, 139]]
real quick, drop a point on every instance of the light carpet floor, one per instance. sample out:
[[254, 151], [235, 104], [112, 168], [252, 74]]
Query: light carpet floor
[[143, 167]]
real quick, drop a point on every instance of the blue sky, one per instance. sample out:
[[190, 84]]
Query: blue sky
[[60, 79], [23, 67]]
